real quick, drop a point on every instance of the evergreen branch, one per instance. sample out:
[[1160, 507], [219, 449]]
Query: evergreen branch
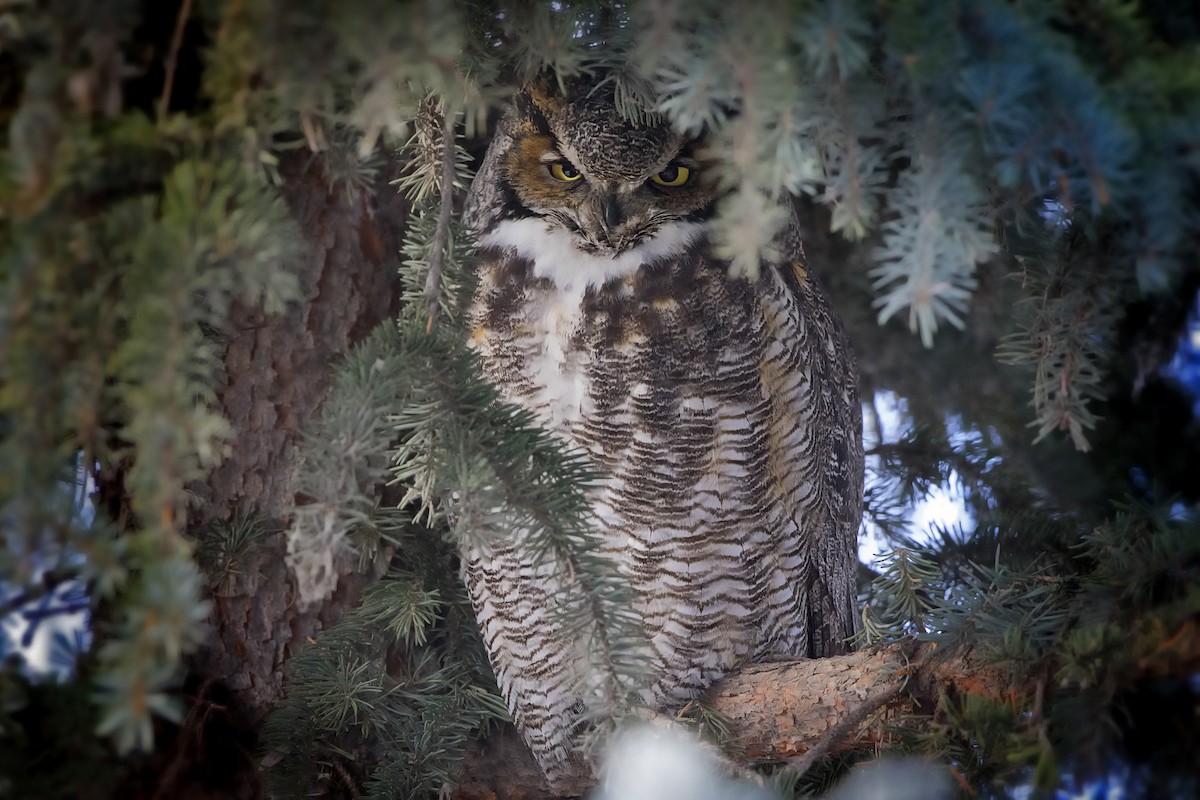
[[540, 506], [1068, 321], [853, 169], [433, 281], [902, 594], [927, 260], [227, 546], [497, 474], [838, 695]]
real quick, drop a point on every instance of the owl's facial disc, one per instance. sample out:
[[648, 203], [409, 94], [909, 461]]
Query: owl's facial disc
[[607, 211], [611, 216]]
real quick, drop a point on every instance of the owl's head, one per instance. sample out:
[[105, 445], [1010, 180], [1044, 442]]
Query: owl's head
[[611, 184]]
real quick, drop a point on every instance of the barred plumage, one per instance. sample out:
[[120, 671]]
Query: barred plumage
[[721, 411]]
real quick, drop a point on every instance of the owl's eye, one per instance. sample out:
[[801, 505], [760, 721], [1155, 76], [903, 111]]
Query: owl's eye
[[564, 171], [673, 175]]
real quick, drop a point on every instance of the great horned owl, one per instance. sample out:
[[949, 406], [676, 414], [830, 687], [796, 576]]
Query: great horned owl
[[722, 410]]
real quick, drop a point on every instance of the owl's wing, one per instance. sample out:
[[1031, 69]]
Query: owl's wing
[[811, 378], [533, 651], [725, 416]]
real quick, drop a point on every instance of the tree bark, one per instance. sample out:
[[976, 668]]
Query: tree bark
[[277, 372]]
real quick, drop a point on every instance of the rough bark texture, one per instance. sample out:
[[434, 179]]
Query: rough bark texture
[[277, 372], [778, 711]]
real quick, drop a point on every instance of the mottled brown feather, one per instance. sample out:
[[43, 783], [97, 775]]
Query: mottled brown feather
[[722, 413]]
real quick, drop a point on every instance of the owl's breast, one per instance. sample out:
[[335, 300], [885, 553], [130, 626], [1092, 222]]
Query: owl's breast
[[599, 364], [565, 333], [562, 359], [559, 365]]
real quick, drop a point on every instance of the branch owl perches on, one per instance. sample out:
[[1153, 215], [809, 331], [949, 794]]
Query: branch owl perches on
[[720, 410]]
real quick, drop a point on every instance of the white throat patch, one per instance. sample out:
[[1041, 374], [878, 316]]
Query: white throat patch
[[559, 370], [554, 254]]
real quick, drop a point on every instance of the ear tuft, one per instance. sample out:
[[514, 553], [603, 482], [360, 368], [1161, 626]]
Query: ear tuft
[[539, 100]]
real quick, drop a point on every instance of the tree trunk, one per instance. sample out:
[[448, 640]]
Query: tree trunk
[[277, 372]]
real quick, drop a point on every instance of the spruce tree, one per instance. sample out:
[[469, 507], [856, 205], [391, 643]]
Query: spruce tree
[[241, 434]]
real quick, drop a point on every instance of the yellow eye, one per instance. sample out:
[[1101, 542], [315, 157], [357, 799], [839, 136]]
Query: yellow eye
[[564, 171], [673, 175]]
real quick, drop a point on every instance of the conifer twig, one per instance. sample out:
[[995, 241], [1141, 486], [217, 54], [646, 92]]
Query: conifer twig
[[441, 236], [185, 11]]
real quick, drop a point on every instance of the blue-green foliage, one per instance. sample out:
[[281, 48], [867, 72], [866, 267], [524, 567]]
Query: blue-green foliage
[[1057, 139], [937, 127], [1075, 623], [132, 241], [106, 324]]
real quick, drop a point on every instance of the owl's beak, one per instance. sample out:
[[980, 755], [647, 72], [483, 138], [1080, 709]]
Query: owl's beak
[[612, 212], [601, 220]]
